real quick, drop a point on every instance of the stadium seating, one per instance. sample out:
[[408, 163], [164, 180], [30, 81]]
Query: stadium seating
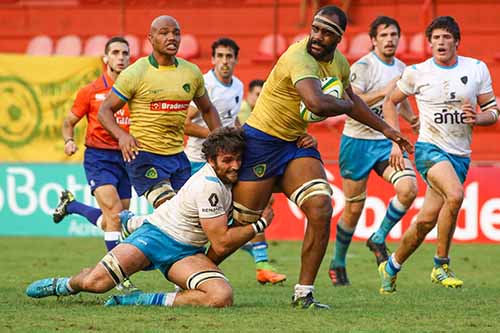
[[134, 45], [70, 45], [40, 45], [360, 45], [402, 46], [266, 52], [95, 45], [189, 47]]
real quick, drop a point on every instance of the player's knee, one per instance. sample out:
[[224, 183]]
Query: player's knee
[[454, 198], [424, 226], [96, 282], [352, 210], [407, 194], [220, 297], [318, 208]]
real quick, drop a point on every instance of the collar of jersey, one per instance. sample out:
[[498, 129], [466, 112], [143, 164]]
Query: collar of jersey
[[378, 58], [155, 64], [222, 83], [445, 67]]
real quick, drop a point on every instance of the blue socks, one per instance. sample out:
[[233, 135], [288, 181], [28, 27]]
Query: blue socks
[[394, 213], [393, 267], [342, 242], [90, 213], [111, 239], [439, 261], [259, 251]]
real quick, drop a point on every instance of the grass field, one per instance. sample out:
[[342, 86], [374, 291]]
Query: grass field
[[418, 306]]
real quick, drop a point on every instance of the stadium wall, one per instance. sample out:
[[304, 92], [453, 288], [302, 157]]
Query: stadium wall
[[28, 195]]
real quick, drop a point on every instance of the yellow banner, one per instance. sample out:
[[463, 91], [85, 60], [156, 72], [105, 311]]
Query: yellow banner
[[36, 93]]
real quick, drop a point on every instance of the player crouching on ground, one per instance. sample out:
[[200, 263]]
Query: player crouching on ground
[[173, 237]]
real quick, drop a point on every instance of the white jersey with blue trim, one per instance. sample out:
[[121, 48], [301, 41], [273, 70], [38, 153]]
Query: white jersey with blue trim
[[226, 99], [369, 74], [203, 196], [440, 92]]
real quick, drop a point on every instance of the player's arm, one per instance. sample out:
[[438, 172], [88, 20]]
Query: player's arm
[[208, 111], [406, 111], [373, 97], [191, 128], [68, 132], [362, 113], [128, 145], [319, 103], [489, 111], [389, 109], [224, 240]]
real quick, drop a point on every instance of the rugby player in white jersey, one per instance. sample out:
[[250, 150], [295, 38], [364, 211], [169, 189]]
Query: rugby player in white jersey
[[447, 88], [225, 91], [173, 238], [363, 149]]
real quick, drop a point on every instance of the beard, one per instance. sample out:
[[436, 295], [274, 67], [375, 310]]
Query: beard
[[327, 49]]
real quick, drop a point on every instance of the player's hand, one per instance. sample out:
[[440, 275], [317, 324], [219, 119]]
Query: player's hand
[[399, 139], [307, 141], [70, 147], [268, 214], [129, 147], [396, 159], [390, 86], [469, 112]]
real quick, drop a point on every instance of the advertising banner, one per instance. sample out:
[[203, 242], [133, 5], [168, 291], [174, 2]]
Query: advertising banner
[[36, 94]]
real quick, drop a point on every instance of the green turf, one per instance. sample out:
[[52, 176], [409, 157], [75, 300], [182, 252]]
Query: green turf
[[418, 305]]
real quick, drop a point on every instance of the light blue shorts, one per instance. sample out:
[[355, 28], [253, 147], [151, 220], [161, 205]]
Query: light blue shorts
[[359, 156], [427, 155], [162, 250]]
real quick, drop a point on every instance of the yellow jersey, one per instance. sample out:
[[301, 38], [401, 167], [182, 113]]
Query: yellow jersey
[[277, 110], [158, 98], [244, 113]]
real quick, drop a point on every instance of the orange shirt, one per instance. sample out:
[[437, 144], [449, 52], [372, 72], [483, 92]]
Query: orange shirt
[[88, 102]]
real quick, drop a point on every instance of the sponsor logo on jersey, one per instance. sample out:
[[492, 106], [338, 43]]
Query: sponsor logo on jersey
[[464, 79], [453, 117], [151, 173], [186, 87], [169, 106], [260, 170], [213, 199]]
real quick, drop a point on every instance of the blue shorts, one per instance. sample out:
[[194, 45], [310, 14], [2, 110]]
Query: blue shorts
[[162, 250], [427, 155], [195, 166], [147, 169], [106, 167], [359, 156], [267, 156]]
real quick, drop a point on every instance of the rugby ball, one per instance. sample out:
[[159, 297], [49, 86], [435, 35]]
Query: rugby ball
[[329, 85]]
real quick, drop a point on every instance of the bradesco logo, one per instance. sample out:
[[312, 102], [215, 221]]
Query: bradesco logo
[[169, 106]]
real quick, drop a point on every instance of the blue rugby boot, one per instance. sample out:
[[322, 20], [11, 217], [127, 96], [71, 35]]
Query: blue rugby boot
[[136, 298], [48, 287]]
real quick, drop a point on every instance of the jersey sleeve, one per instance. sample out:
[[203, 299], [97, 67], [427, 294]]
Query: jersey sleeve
[[126, 83], [301, 67], [81, 105], [209, 201], [485, 79], [199, 83], [360, 75], [407, 82]]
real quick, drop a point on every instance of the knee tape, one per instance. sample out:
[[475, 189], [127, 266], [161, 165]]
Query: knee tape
[[198, 278], [398, 175], [114, 268], [309, 189], [244, 215], [356, 198], [160, 191]]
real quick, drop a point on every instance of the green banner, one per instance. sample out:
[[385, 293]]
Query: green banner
[[29, 193]]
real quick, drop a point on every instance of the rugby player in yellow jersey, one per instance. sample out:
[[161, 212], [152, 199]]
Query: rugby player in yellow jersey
[[272, 157], [158, 90]]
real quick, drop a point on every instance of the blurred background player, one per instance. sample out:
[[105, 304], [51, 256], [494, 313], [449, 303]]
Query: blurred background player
[[448, 88], [103, 161], [275, 156], [225, 91], [254, 89], [372, 78], [158, 90]]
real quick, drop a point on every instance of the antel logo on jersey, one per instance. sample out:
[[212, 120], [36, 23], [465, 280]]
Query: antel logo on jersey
[[169, 106]]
